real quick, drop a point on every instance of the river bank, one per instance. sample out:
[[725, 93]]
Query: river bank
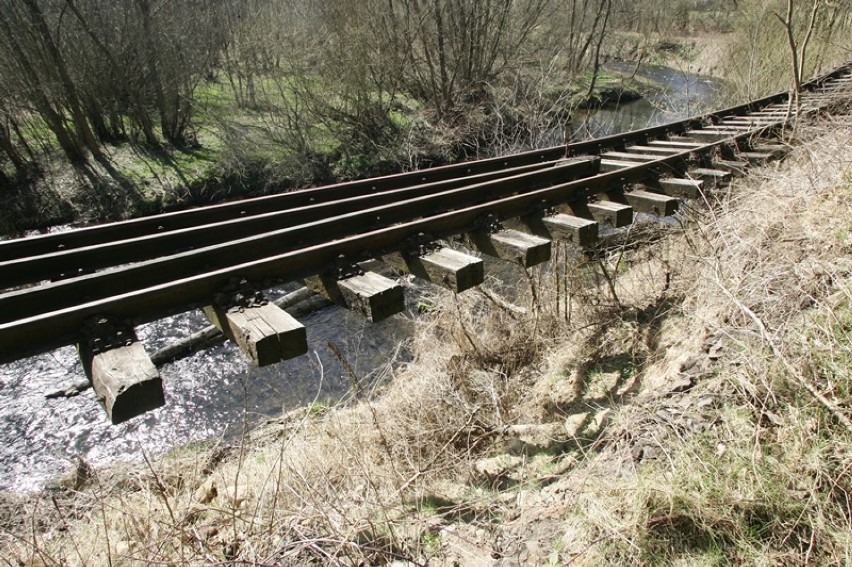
[[661, 410]]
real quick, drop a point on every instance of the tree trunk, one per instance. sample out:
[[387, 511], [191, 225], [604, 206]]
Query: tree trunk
[[74, 105], [20, 163], [138, 112], [54, 120], [169, 123]]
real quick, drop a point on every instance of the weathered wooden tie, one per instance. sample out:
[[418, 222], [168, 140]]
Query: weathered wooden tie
[[652, 203], [512, 245], [373, 295], [653, 150], [576, 230], [733, 167], [442, 266], [709, 136], [627, 156], [579, 230], [264, 332], [125, 380], [776, 151], [682, 145], [678, 187], [614, 165], [611, 213], [713, 176], [758, 157]]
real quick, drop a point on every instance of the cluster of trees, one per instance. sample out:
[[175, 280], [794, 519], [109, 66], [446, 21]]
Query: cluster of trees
[[79, 74], [779, 43]]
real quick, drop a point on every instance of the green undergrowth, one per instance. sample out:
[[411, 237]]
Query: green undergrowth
[[275, 144]]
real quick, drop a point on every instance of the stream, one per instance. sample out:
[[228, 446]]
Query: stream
[[216, 393]]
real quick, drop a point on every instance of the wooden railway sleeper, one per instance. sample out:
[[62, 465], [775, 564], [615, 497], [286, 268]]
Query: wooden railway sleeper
[[493, 238], [368, 293], [264, 332], [430, 260], [560, 222], [125, 380]]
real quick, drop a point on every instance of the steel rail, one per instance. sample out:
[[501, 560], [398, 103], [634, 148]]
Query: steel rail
[[71, 260], [69, 263], [52, 325], [123, 230], [176, 220], [47, 330], [58, 295]]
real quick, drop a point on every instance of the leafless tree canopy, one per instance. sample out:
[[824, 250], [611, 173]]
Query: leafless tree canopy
[[79, 74]]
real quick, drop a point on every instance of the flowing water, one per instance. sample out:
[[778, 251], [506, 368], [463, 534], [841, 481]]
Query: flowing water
[[215, 393], [682, 95]]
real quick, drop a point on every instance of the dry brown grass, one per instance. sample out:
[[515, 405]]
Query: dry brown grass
[[751, 465], [567, 420]]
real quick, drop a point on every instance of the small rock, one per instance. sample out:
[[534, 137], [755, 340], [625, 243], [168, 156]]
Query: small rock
[[574, 423], [206, 492], [233, 495]]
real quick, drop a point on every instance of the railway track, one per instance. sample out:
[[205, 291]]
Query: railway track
[[92, 285]]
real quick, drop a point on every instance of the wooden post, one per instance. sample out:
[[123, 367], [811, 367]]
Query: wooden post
[[125, 380]]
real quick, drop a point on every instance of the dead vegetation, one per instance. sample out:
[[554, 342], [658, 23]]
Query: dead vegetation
[[681, 403]]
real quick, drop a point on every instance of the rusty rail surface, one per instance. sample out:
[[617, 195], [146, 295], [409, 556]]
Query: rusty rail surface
[[144, 269]]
